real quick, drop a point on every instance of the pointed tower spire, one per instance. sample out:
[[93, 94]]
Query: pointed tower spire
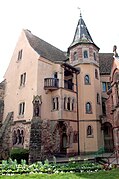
[[82, 34]]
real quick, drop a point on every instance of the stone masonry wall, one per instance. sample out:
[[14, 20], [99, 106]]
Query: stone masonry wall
[[43, 143]]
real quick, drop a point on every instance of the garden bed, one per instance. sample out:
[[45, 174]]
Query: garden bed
[[9, 167]]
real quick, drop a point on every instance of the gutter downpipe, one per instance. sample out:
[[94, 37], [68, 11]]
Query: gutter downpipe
[[77, 112]]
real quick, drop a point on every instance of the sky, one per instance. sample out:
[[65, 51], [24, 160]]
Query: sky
[[55, 22]]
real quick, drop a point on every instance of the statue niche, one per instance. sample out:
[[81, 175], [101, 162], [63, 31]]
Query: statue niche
[[37, 106]]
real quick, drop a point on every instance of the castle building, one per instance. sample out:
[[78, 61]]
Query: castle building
[[65, 91]]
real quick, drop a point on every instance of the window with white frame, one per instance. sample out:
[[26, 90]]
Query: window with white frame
[[21, 108], [23, 79]]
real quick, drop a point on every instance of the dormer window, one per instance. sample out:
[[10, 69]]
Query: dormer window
[[19, 55], [85, 54], [75, 56]]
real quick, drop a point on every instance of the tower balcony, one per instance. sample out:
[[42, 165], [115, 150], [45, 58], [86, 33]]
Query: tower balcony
[[51, 83], [68, 85]]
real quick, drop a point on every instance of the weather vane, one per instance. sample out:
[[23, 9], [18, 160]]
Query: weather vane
[[80, 11]]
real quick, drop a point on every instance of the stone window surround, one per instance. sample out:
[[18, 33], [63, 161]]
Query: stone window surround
[[69, 103], [18, 136], [85, 54], [89, 131]]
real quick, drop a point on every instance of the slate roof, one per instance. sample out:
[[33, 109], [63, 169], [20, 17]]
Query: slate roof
[[82, 34], [105, 63], [2, 84], [45, 49], [54, 54]]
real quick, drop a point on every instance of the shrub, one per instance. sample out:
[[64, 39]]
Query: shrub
[[19, 154]]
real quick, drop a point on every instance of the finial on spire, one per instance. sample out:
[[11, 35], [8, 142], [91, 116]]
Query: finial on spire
[[80, 11], [115, 51]]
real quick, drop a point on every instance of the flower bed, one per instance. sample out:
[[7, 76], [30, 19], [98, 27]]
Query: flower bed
[[12, 167]]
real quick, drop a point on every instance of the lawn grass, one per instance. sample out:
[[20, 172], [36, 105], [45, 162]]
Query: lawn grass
[[111, 174]]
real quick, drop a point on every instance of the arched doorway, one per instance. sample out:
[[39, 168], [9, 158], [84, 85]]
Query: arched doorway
[[61, 128], [108, 137]]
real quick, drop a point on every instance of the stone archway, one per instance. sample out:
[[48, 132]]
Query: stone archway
[[108, 137], [61, 131]]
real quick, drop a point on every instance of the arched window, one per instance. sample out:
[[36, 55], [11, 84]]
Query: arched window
[[18, 137], [88, 108], [98, 98], [89, 131], [14, 137], [87, 79], [96, 73], [55, 103], [85, 54], [75, 56]]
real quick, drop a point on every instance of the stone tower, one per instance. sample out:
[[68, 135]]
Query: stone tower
[[83, 54]]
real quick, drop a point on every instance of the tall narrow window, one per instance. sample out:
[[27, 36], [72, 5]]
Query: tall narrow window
[[88, 108], [55, 103], [96, 73], [21, 108], [19, 55], [22, 79], [89, 131], [98, 98], [103, 106], [75, 56], [104, 87], [64, 102], [72, 104], [68, 104], [87, 79], [85, 54], [94, 54]]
